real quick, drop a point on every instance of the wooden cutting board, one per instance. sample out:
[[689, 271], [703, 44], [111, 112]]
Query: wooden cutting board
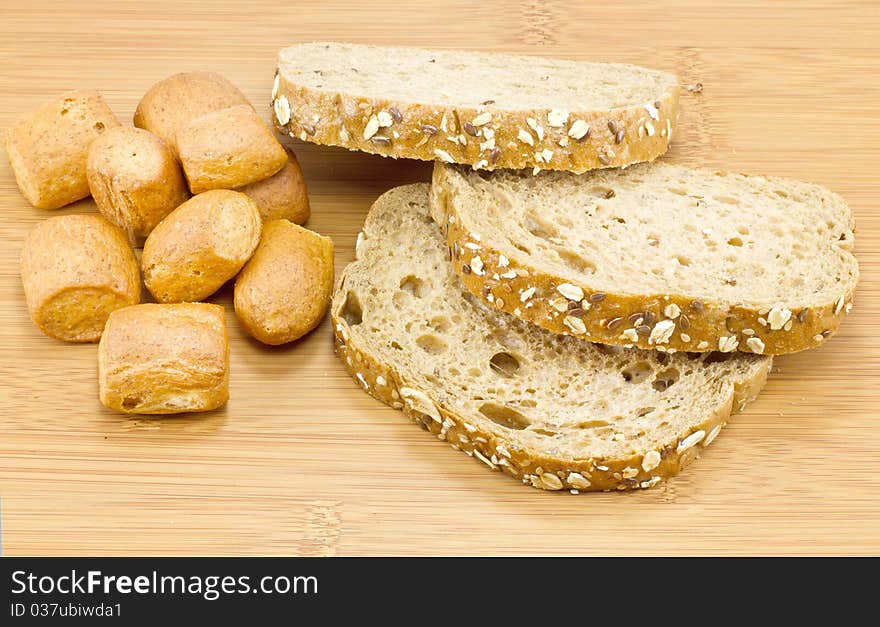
[[301, 461]]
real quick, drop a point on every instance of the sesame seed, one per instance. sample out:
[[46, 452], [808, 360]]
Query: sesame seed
[[384, 118], [661, 332], [778, 317], [802, 315], [598, 297], [618, 137], [603, 159], [571, 292], [493, 156], [692, 440], [652, 111], [672, 310], [470, 129], [483, 118], [275, 85], [697, 305], [727, 343], [703, 345], [525, 137], [372, 127], [443, 155], [649, 129], [576, 325], [612, 126], [818, 337], [650, 461], [282, 109], [755, 345], [685, 337], [839, 306], [614, 323], [579, 130], [429, 129], [684, 323], [527, 294], [395, 113]]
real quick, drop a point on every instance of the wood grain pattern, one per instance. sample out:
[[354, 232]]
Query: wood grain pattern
[[301, 462]]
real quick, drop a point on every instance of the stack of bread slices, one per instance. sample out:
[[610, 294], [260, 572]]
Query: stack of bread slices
[[553, 304]]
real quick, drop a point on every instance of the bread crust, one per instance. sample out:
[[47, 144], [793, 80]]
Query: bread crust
[[48, 147], [698, 326], [200, 245], [282, 196], [284, 290], [135, 180], [616, 138], [388, 385], [164, 359], [182, 97], [76, 270], [228, 148]]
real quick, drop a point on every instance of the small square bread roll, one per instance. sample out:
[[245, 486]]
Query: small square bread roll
[[164, 359], [76, 270], [284, 290], [282, 196], [47, 148], [135, 180], [181, 98], [228, 149], [200, 245]]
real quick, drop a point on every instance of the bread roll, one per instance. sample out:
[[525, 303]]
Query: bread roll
[[47, 148], [200, 245], [282, 195], [135, 180], [181, 98], [164, 359], [284, 290], [227, 149], [76, 270]]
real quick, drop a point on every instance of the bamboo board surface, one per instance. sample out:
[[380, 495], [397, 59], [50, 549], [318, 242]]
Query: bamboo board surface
[[301, 461]]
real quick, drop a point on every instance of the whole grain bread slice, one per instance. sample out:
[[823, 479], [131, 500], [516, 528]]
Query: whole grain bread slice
[[486, 110], [554, 411], [654, 256]]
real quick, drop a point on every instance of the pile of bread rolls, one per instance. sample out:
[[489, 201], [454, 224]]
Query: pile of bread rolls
[[202, 184]]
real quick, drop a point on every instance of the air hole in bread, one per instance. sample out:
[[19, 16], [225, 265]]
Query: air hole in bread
[[665, 379], [781, 193], [683, 260], [396, 346], [130, 402], [592, 424], [716, 357], [540, 228], [351, 310], [504, 416], [637, 372], [441, 324], [742, 230], [522, 248], [99, 126], [600, 191], [678, 190], [575, 261], [431, 344], [413, 285], [735, 241], [546, 432], [474, 372], [504, 364], [727, 200], [644, 411]]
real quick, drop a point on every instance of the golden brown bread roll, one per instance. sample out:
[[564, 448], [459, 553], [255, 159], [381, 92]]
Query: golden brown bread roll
[[181, 98], [47, 148], [227, 149], [200, 245], [164, 359], [284, 290], [135, 180], [283, 195], [76, 270]]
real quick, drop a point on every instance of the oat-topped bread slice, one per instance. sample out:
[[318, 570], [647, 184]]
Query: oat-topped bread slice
[[655, 256], [554, 411], [485, 110]]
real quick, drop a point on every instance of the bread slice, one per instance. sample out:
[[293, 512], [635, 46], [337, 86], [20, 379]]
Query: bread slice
[[554, 411], [656, 256], [486, 110]]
